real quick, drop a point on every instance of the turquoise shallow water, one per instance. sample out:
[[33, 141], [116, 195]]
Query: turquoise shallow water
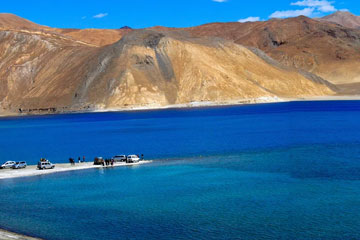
[[278, 171]]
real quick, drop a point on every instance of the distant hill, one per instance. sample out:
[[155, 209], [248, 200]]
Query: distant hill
[[344, 18], [125, 27]]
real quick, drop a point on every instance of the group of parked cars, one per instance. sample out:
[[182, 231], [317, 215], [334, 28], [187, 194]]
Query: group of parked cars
[[118, 158], [46, 164], [128, 159], [13, 165], [43, 164]]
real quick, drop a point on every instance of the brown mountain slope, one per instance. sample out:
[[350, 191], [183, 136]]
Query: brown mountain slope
[[328, 50], [343, 18], [11, 21], [97, 37], [145, 68], [38, 70]]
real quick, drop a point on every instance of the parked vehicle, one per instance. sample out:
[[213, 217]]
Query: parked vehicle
[[119, 158], [132, 159], [8, 164], [19, 165], [45, 165], [99, 161]]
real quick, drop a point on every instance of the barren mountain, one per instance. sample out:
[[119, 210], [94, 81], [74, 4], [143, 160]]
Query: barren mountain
[[47, 71], [343, 18], [326, 49], [323, 48]]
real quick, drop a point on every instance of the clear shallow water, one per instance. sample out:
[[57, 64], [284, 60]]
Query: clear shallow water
[[283, 171]]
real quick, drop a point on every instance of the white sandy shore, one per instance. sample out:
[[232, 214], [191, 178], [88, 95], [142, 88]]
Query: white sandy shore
[[329, 98], [62, 167], [195, 104], [6, 235], [244, 101]]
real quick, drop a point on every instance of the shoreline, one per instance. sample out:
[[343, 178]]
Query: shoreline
[[32, 170], [7, 235], [149, 107], [250, 101]]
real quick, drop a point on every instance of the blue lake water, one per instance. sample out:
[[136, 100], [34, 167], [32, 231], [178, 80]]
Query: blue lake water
[[270, 171]]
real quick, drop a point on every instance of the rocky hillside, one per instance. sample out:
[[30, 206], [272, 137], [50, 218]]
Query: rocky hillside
[[38, 69], [323, 48], [160, 68], [346, 19], [42, 70]]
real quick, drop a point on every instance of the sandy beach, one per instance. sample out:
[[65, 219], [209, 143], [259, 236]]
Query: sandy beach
[[61, 167]]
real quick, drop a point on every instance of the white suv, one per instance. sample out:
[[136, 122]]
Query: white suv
[[119, 158], [8, 164], [132, 159], [45, 165]]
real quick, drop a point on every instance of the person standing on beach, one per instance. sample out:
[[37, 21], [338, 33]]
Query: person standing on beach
[[79, 159], [83, 158]]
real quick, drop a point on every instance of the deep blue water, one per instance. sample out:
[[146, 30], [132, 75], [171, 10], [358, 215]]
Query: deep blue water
[[179, 132], [271, 171]]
